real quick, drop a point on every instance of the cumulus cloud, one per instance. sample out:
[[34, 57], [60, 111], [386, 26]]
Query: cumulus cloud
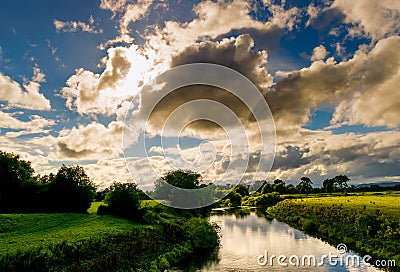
[[216, 19], [37, 149], [36, 124], [377, 19], [29, 97], [90, 142], [90, 93], [118, 68], [75, 26], [357, 82], [319, 53], [236, 53], [318, 154], [105, 172]]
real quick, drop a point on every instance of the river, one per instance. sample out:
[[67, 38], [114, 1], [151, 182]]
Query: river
[[246, 235]]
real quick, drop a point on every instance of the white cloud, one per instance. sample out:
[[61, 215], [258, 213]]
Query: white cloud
[[130, 13], [75, 26], [36, 124], [319, 53], [89, 93], [313, 11], [215, 19], [377, 19], [29, 98], [105, 172], [364, 86], [91, 142], [322, 154]]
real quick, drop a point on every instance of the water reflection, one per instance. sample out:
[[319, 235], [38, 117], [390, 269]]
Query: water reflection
[[245, 236]]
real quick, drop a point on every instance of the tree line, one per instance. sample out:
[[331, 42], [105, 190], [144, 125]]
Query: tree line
[[69, 190], [339, 183]]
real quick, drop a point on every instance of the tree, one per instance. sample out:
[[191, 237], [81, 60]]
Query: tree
[[70, 190], [279, 186], [123, 199], [267, 188], [341, 182], [242, 190], [305, 185], [291, 189], [329, 185], [15, 174], [182, 179], [235, 199]]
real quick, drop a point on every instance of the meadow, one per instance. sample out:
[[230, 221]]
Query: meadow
[[91, 242], [23, 232]]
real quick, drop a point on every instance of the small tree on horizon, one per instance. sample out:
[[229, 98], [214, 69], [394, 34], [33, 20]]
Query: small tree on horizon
[[341, 181], [329, 185]]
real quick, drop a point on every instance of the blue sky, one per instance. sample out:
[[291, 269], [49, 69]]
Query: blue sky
[[328, 70]]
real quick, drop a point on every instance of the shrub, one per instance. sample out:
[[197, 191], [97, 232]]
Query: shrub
[[201, 233], [235, 199], [123, 200], [309, 226]]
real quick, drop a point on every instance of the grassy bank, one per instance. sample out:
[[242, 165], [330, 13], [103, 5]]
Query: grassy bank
[[368, 224], [89, 242]]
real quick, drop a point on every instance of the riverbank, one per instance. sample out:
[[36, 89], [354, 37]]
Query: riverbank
[[89, 242], [367, 224]]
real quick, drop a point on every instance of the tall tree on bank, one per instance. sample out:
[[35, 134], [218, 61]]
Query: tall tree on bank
[[341, 181], [329, 186], [305, 185], [169, 186]]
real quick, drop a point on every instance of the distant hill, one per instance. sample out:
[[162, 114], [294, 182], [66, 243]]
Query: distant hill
[[380, 184]]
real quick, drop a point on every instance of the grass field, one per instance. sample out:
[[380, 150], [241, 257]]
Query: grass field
[[387, 203], [91, 242], [22, 232]]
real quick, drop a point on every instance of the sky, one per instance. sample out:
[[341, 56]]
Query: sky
[[329, 70]]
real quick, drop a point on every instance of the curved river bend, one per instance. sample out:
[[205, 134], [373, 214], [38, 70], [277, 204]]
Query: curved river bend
[[246, 236]]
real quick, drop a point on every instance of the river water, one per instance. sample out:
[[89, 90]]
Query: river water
[[245, 236]]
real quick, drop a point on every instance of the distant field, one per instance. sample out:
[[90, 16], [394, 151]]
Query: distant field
[[389, 204], [21, 232]]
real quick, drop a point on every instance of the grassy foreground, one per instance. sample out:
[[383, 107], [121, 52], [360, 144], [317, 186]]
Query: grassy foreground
[[90, 242], [368, 224], [23, 232]]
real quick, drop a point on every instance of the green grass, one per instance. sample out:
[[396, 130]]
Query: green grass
[[22, 232], [148, 203], [389, 204], [95, 205]]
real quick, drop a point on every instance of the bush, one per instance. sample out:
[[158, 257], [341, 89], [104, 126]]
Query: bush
[[309, 226], [235, 199], [265, 200], [123, 200], [201, 233]]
